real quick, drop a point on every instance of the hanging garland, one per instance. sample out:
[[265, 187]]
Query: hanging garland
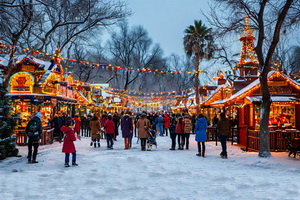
[[134, 93], [109, 66]]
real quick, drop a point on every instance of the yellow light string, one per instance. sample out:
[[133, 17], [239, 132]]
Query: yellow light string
[[142, 93], [109, 66]]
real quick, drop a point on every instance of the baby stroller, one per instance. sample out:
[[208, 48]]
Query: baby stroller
[[151, 140]]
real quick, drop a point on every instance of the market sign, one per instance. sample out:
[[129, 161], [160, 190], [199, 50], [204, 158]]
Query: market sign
[[277, 83], [21, 82]]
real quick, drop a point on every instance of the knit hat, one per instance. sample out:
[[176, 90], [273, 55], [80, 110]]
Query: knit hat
[[39, 115]]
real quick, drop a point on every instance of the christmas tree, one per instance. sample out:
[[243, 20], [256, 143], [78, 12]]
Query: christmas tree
[[7, 125]]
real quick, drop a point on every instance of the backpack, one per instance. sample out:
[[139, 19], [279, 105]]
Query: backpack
[[33, 129], [187, 125]]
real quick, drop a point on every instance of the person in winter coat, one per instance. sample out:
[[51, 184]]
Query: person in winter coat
[[109, 130], [68, 146], [127, 129], [103, 119], [34, 131], [159, 121], [179, 130], [223, 132], [95, 126], [116, 120], [188, 126], [215, 121], [200, 130], [166, 123], [56, 123], [63, 118], [77, 125], [87, 126], [136, 118], [173, 135], [143, 125], [194, 123], [82, 125]]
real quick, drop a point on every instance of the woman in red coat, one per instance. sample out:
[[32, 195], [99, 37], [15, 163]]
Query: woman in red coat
[[68, 146], [179, 130], [166, 123], [77, 125], [109, 130]]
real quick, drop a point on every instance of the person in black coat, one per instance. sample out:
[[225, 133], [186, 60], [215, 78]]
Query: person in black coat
[[116, 120], [83, 124], [33, 140], [172, 127], [63, 118], [87, 126], [194, 123], [127, 129], [137, 116], [57, 124]]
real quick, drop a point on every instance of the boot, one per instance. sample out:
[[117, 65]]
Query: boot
[[74, 164], [203, 154], [67, 165], [94, 144], [99, 145], [126, 143]]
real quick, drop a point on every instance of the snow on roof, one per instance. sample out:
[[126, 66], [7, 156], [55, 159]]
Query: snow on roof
[[45, 76], [215, 91], [104, 94], [46, 64], [273, 98], [117, 100], [248, 87], [4, 60], [219, 101], [84, 97], [295, 82], [255, 83]]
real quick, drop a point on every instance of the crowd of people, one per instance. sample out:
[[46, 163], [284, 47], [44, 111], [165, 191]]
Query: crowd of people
[[179, 125]]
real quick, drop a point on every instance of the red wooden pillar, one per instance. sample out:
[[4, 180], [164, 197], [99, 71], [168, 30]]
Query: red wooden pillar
[[242, 126]]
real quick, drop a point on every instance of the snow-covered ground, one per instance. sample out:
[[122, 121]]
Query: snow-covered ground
[[157, 174]]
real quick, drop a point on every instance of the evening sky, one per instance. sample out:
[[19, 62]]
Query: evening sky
[[166, 20]]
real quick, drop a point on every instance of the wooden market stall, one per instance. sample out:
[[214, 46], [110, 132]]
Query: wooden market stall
[[284, 114], [41, 88], [241, 100]]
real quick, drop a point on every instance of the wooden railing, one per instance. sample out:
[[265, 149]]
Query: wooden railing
[[212, 135], [46, 137], [277, 139]]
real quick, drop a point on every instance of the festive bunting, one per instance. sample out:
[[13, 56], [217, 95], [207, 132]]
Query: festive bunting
[[109, 66]]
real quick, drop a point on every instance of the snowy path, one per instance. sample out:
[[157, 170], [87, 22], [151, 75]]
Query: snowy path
[[158, 174]]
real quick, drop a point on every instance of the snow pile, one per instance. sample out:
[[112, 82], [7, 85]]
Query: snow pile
[[157, 174]]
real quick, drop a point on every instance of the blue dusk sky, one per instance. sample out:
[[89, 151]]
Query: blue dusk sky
[[166, 20]]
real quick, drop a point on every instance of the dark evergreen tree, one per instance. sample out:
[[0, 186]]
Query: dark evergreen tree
[[7, 125]]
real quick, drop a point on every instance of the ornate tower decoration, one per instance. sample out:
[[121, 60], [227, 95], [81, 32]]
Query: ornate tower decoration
[[57, 58], [248, 60]]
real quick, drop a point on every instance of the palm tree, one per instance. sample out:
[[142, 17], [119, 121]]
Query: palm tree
[[198, 42]]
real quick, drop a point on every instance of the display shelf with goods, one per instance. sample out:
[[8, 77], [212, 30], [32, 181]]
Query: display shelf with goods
[[281, 116]]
